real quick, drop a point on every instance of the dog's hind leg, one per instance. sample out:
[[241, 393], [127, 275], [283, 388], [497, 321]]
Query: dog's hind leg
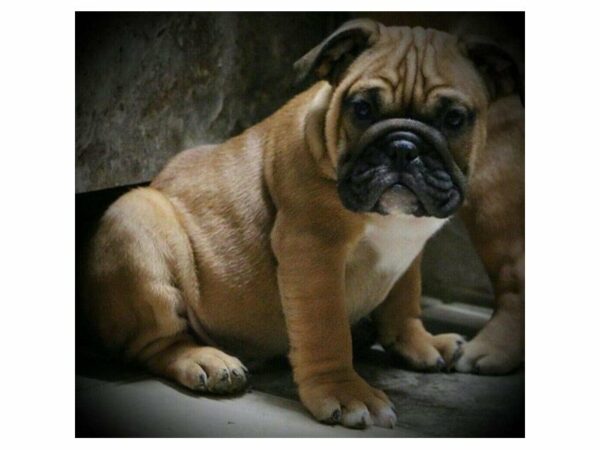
[[205, 369], [139, 291]]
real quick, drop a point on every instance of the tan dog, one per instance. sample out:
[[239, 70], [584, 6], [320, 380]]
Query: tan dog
[[277, 240]]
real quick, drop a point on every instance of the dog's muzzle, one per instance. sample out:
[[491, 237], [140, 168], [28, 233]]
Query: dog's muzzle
[[401, 164]]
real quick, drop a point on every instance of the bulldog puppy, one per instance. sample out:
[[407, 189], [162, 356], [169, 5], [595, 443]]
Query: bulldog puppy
[[279, 239]]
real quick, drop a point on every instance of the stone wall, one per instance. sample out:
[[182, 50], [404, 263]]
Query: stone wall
[[149, 85]]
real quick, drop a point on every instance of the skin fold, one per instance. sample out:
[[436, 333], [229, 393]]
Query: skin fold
[[244, 250]]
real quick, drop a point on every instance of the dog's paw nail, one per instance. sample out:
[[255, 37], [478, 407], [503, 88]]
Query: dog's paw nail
[[388, 347], [391, 422], [440, 364], [457, 354], [363, 422], [336, 416], [224, 375]]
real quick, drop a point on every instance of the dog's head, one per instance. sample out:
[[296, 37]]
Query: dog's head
[[407, 113]]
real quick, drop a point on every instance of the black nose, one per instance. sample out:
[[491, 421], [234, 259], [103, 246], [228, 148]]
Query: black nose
[[404, 146]]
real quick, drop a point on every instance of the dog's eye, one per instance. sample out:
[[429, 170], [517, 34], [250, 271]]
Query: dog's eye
[[362, 109], [455, 119]]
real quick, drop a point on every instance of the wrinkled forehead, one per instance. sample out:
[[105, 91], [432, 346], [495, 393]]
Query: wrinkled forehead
[[416, 66]]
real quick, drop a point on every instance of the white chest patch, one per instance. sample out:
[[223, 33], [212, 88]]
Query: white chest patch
[[388, 247]]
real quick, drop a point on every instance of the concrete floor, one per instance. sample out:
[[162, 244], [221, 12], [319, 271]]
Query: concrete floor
[[116, 401]]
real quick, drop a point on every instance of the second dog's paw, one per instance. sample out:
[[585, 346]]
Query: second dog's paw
[[481, 356]]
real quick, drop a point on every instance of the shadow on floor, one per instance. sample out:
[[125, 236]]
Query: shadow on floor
[[434, 405]]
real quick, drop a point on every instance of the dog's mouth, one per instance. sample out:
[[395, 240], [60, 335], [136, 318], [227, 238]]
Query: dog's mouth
[[401, 165]]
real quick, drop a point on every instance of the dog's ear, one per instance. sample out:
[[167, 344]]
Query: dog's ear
[[502, 74], [330, 59]]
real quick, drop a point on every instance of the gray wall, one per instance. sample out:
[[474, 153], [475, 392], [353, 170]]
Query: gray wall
[[151, 85]]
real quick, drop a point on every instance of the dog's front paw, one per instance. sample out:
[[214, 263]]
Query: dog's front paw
[[424, 351], [350, 402]]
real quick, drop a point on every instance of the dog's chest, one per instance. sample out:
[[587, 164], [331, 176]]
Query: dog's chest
[[387, 248]]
